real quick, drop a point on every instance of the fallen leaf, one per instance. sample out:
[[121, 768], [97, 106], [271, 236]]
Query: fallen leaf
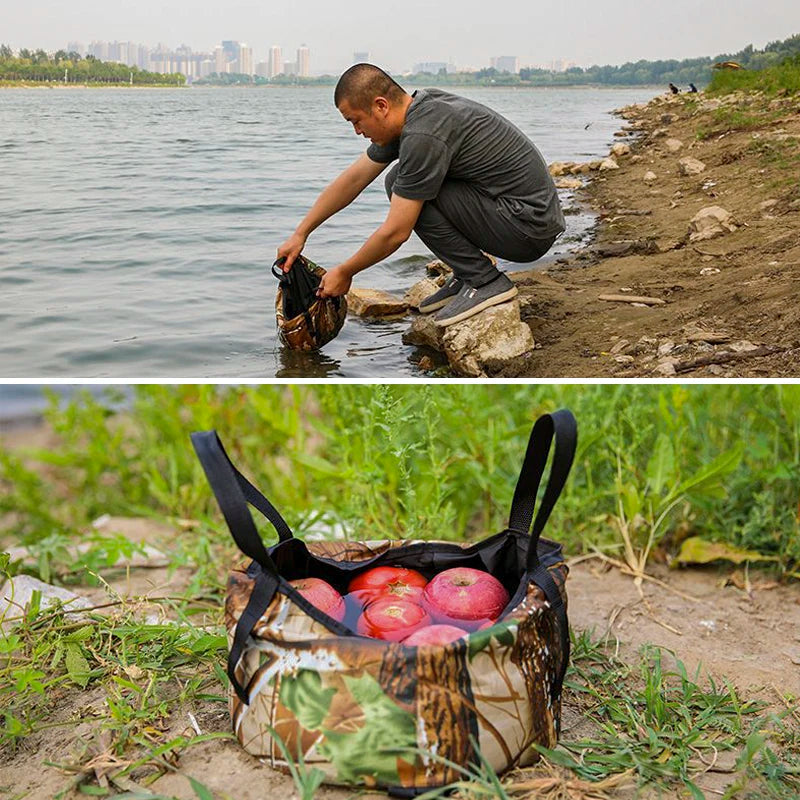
[[696, 550]]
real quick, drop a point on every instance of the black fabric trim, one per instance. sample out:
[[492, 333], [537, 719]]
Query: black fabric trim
[[261, 596]]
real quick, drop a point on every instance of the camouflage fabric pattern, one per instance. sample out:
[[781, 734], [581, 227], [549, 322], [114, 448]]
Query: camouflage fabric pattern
[[375, 714], [317, 326]]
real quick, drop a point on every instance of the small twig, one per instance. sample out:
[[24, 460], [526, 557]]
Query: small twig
[[726, 356], [632, 298], [625, 569]]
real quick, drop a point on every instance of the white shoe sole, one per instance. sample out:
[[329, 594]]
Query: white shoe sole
[[436, 306], [471, 312]]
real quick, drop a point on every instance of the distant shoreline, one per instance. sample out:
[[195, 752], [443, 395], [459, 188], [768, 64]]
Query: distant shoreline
[[161, 87]]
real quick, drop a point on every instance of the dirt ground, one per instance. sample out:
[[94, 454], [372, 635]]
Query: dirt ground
[[750, 638], [730, 307]]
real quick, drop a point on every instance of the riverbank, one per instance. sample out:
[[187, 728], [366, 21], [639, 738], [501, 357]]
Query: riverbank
[[722, 306]]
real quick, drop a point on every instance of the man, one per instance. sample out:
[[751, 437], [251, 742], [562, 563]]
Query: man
[[468, 182]]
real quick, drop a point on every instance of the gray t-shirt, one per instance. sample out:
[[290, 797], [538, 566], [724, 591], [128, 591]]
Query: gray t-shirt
[[449, 137]]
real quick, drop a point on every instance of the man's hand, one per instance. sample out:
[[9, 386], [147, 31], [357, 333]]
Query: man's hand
[[290, 249], [335, 282]]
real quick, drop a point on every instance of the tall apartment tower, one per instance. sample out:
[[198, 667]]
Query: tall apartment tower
[[245, 59], [275, 61], [303, 58]]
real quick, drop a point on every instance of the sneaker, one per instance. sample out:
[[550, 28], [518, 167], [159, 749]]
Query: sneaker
[[441, 297], [471, 301]]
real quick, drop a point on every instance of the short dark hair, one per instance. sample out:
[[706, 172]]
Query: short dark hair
[[362, 83]]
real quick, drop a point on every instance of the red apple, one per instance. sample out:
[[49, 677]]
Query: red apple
[[464, 596], [395, 582], [435, 634], [392, 620], [322, 595]]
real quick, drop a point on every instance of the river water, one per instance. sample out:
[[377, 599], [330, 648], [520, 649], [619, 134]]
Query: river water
[[138, 226]]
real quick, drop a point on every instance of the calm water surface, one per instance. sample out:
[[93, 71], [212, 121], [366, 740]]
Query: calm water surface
[[137, 227]]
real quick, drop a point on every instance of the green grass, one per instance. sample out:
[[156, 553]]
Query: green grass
[[666, 727], [433, 462], [783, 79]]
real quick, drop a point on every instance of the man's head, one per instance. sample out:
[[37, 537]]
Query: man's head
[[372, 102]]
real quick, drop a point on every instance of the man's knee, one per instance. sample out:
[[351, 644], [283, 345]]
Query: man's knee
[[390, 179]]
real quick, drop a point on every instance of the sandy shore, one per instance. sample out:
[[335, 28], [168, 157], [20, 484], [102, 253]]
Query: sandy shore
[[726, 305]]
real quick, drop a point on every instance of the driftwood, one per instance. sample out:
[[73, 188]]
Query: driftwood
[[726, 356], [632, 298], [707, 336]]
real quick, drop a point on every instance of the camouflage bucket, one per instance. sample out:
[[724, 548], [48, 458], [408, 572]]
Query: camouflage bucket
[[305, 321], [378, 714]]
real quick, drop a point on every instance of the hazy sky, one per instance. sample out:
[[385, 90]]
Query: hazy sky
[[466, 32]]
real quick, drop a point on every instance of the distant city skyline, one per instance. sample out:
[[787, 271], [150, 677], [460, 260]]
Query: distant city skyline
[[467, 33]]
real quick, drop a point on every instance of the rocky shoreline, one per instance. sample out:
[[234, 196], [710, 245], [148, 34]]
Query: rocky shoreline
[[694, 267]]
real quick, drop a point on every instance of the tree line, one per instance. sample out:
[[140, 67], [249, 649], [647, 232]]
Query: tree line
[[64, 67]]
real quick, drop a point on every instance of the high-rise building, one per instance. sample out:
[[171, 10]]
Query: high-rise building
[[361, 57], [505, 64], [290, 68], [76, 47], [262, 69], [219, 60], [303, 61], [231, 49], [275, 61], [245, 58], [433, 67]]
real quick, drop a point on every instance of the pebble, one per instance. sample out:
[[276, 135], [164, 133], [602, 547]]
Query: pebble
[[709, 270]]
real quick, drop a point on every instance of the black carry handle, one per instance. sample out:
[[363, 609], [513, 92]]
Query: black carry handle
[[233, 491], [561, 426], [279, 273]]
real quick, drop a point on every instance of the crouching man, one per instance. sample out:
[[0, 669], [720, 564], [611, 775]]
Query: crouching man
[[467, 182]]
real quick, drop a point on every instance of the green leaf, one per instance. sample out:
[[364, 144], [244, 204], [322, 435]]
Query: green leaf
[[696, 550], [202, 792], [661, 466], [80, 635], [8, 644], [77, 665], [709, 476]]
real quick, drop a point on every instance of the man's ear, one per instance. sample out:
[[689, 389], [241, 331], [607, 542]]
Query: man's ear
[[381, 105]]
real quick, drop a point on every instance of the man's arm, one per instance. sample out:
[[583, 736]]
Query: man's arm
[[395, 230], [334, 197]]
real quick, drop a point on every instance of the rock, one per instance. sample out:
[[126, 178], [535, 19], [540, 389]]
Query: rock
[[715, 369], [620, 149], [374, 303], [666, 368], [608, 164], [795, 205], [690, 166], [666, 119], [709, 270], [650, 177], [18, 591], [673, 145], [419, 291], [487, 341], [595, 165], [580, 169], [569, 183], [768, 205], [635, 159], [743, 346], [658, 133], [438, 268], [710, 222], [619, 347], [426, 364], [627, 247], [665, 348], [558, 168], [424, 333]]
